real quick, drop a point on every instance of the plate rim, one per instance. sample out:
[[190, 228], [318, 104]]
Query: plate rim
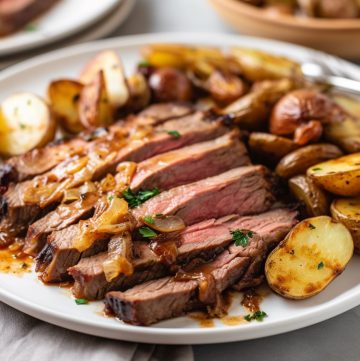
[[168, 335]]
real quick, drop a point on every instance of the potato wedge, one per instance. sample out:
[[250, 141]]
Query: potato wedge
[[315, 252], [350, 104], [347, 211], [340, 176], [270, 146], [298, 161], [94, 107], [64, 97], [314, 198], [115, 82], [139, 92], [258, 65], [26, 122]]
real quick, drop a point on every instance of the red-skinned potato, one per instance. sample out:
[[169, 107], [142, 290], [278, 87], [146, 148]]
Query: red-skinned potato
[[94, 107], [114, 76]]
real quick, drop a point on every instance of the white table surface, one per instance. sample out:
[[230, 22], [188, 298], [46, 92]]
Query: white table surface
[[333, 340]]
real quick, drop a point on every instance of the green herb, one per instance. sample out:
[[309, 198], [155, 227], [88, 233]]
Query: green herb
[[174, 133], [110, 198], [134, 199], [143, 64], [258, 316], [159, 215], [22, 125], [240, 238], [316, 169], [30, 27], [147, 232], [321, 265], [81, 301], [311, 226], [149, 220]]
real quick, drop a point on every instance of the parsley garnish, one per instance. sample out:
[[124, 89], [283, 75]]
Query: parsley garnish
[[110, 198], [136, 198], [240, 238], [159, 215], [316, 169], [174, 133], [149, 220], [81, 301], [143, 64], [258, 316], [321, 265], [147, 232], [311, 226]]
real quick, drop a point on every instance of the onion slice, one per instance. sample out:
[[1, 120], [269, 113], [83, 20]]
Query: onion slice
[[164, 224]]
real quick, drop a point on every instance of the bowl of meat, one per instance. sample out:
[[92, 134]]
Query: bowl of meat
[[327, 25], [178, 189]]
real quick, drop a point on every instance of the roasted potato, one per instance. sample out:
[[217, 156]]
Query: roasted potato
[[258, 65], [64, 97], [140, 94], [315, 252], [340, 176], [251, 111], [114, 76], [94, 107], [269, 146], [314, 198], [347, 211], [350, 104], [298, 161], [26, 122]]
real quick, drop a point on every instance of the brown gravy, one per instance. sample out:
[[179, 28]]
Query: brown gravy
[[12, 260], [251, 300]]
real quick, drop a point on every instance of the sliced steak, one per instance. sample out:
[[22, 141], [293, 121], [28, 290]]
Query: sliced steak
[[242, 191], [193, 288], [202, 240], [192, 163], [193, 129], [15, 14], [63, 216], [39, 161]]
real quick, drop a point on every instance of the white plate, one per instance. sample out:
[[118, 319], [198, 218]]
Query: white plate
[[100, 29], [65, 18], [54, 305]]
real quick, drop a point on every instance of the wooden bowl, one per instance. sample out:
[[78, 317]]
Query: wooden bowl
[[340, 36]]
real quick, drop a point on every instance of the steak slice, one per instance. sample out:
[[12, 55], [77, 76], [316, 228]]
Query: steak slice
[[63, 216], [243, 191], [191, 163], [202, 240], [39, 161], [195, 288], [193, 129], [15, 14]]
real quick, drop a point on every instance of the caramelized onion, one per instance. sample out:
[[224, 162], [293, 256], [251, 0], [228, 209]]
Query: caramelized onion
[[165, 224]]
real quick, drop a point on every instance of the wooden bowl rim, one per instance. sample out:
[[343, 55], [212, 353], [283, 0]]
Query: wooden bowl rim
[[288, 20]]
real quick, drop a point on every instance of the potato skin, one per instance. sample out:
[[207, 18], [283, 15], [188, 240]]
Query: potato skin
[[298, 161], [308, 193], [347, 211], [340, 176], [311, 256], [270, 146]]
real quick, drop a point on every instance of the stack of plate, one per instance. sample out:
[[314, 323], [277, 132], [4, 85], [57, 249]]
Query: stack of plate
[[69, 22]]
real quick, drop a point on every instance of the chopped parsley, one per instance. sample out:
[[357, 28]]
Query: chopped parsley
[[316, 169], [159, 215], [240, 238], [149, 220], [321, 265], [311, 226], [258, 316], [147, 232], [81, 301], [174, 133], [110, 198], [30, 27], [143, 64], [134, 199]]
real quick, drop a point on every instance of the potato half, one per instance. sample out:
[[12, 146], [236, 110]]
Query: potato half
[[315, 252], [347, 211], [114, 75], [64, 97], [340, 176], [26, 122]]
